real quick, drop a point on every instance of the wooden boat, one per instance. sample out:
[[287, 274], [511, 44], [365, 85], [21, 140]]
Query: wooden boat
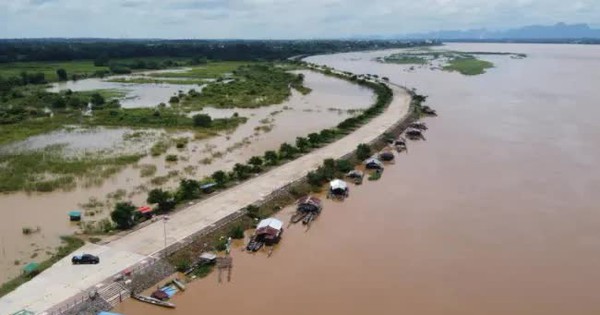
[[254, 245], [153, 301], [426, 110], [308, 218], [418, 125], [268, 232], [414, 134], [298, 216], [179, 284]]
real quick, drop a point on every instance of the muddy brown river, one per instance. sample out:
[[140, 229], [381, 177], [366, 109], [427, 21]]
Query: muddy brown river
[[496, 213]]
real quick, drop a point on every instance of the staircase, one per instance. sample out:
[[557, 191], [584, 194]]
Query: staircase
[[114, 293]]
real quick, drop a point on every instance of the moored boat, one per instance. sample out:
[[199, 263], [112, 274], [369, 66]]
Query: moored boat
[[153, 301]]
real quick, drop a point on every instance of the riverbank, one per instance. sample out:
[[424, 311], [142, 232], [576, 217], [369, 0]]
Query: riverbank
[[148, 242]]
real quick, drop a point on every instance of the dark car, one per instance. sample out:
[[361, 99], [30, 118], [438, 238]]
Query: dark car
[[85, 259]]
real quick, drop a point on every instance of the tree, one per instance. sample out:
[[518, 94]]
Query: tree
[[97, 100], [202, 120], [59, 102], [62, 74], [287, 151], [363, 151], [174, 99], [343, 166], [220, 178], [271, 157], [188, 189], [75, 102], [302, 143], [101, 61], [163, 198], [241, 171], [256, 162], [123, 215], [314, 139]]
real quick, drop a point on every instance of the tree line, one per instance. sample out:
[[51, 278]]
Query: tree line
[[105, 49]]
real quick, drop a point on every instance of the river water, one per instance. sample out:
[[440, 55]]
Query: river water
[[496, 213], [331, 101]]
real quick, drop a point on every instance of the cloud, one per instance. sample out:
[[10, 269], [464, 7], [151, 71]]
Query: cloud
[[277, 18]]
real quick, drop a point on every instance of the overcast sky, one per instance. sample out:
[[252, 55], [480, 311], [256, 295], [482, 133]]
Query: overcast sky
[[276, 19]]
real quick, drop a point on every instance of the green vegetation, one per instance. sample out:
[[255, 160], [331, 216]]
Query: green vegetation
[[468, 66], [48, 169], [465, 63], [123, 215], [74, 69], [250, 86], [70, 244], [405, 59]]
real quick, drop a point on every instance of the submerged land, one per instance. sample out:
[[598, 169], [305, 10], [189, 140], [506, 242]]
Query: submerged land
[[466, 63]]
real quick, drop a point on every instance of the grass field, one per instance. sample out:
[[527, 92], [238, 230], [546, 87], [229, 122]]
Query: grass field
[[468, 66], [81, 67]]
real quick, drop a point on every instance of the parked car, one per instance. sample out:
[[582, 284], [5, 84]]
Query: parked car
[[85, 259]]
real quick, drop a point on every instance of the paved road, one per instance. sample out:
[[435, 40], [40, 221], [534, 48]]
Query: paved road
[[64, 280]]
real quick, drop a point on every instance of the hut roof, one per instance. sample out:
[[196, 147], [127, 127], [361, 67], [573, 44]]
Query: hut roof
[[338, 184], [31, 267], [309, 200], [208, 185], [373, 161], [355, 173], [270, 226], [74, 213], [144, 209], [270, 222]]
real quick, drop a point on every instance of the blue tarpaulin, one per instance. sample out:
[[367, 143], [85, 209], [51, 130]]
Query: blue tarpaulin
[[169, 290], [108, 313]]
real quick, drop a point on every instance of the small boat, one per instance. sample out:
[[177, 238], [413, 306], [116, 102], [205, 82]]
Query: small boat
[[153, 301], [418, 125], [386, 156], [308, 218], [179, 284], [254, 245], [400, 142], [356, 176], [298, 216], [426, 110], [374, 164], [414, 134]]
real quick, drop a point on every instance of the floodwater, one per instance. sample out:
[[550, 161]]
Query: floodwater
[[136, 94], [497, 212], [331, 101]]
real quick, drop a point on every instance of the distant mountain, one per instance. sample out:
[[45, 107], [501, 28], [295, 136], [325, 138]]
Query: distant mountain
[[559, 31]]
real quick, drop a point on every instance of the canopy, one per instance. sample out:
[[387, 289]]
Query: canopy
[[373, 161], [31, 267], [310, 200], [270, 222], [144, 209], [208, 256], [75, 213], [355, 173], [338, 184]]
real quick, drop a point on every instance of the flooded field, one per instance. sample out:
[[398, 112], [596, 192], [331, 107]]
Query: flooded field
[[136, 94], [331, 101], [495, 213]]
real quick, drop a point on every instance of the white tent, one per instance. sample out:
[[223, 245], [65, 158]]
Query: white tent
[[338, 184]]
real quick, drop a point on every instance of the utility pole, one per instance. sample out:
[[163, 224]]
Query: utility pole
[[165, 219]]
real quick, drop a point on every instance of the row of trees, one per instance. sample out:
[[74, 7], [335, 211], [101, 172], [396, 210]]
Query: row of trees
[[104, 50], [189, 189]]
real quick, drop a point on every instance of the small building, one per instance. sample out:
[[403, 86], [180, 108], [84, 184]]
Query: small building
[[373, 164], [75, 215], [268, 232], [338, 188]]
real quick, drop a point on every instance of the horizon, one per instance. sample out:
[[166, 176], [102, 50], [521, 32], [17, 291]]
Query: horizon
[[277, 19]]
